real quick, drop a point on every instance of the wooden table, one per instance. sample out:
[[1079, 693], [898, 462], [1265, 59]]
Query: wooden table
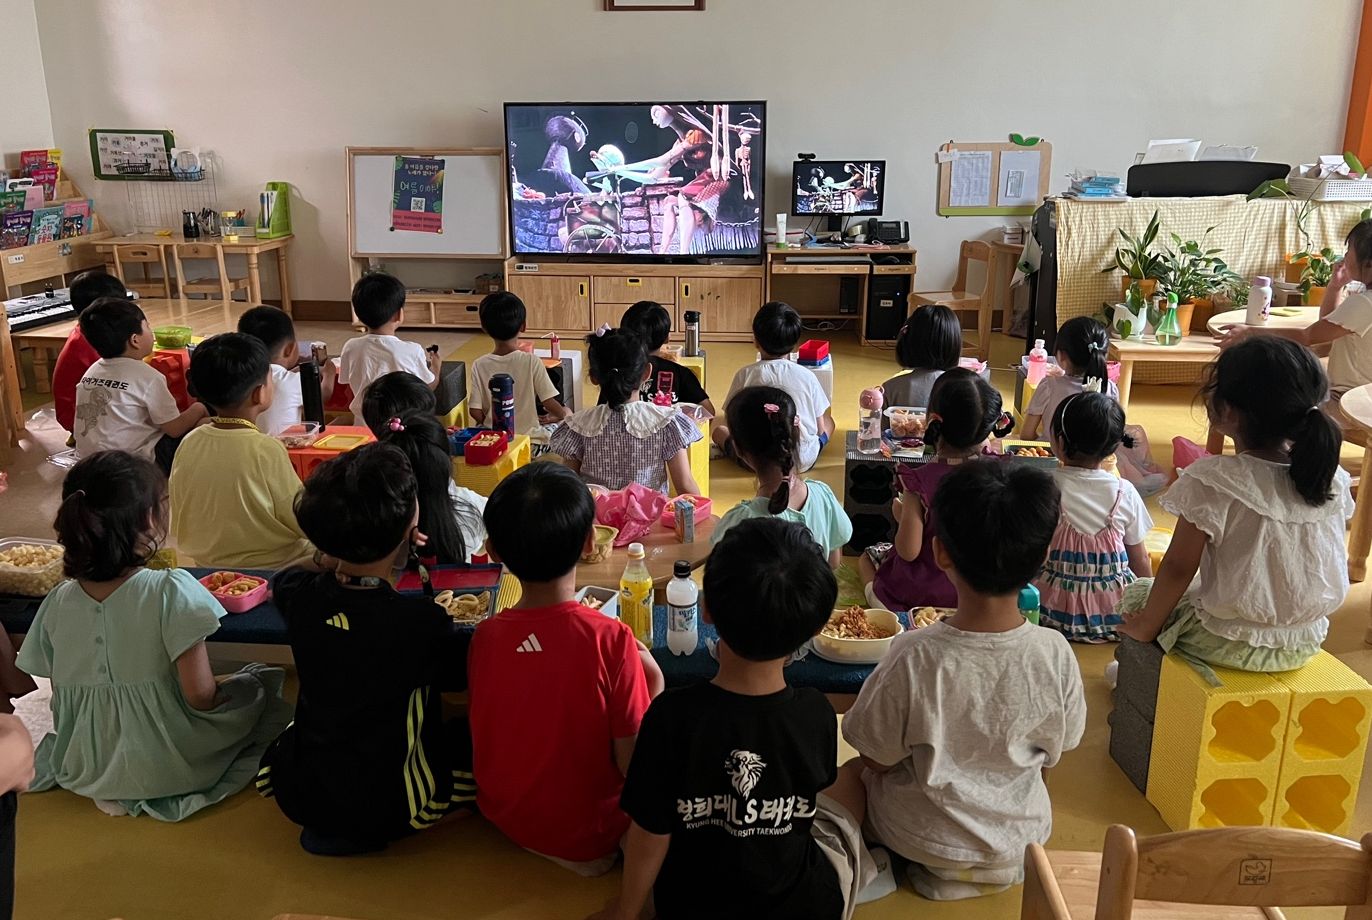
[[250, 247], [1356, 404], [1193, 349], [1305, 316], [661, 551]]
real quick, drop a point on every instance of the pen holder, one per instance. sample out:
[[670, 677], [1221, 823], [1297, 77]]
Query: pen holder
[[274, 218]]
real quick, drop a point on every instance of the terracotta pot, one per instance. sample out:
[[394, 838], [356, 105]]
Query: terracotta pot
[[1184, 313], [1146, 286], [1204, 309], [1314, 297], [1294, 269]]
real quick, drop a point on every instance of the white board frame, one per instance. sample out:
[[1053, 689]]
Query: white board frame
[[365, 241]]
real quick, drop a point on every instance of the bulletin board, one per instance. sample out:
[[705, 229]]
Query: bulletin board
[[473, 208], [979, 180]]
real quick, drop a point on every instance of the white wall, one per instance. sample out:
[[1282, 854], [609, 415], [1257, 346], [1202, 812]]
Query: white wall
[[881, 78], [24, 119]]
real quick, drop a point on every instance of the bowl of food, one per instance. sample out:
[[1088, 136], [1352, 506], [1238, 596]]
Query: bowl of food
[[1036, 454], [604, 544], [30, 567], [606, 600], [906, 421], [466, 609], [299, 435], [236, 592], [172, 336], [857, 636]]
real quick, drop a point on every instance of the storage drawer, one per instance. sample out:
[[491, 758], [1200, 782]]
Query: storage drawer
[[630, 289], [456, 314]]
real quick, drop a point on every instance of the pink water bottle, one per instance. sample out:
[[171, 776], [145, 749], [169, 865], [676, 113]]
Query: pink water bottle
[[1038, 363]]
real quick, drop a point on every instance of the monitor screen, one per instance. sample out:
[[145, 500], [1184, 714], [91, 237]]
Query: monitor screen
[[838, 188], [638, 180]]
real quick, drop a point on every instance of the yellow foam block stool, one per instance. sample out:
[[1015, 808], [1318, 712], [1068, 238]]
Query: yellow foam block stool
[[699, 455], [1217, 751], [456, 417], [1326, 741], [1156, 542], [484, 479]]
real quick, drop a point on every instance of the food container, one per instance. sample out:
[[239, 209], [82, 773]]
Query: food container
[[236, 593], [604, 544], [299, 436], [608, 598], [342, 441], [859, 651], [486, 448], [467, 608], [172, 336], [30, 580], [1035, 453], [906, 421], [813, 351], [458, 438], [702, 504]]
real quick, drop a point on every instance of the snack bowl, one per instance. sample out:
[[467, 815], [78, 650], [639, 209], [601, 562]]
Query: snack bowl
[[236, 593], [702, 505], [29, 566], [604, 544], [298, 436], [1035, 453], [605, 600], [906, 421], [859, 651], [172, 336]]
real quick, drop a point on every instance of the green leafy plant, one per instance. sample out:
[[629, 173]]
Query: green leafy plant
[[1135, 299], [1318, 270], [1236, 292], [1138, 259], [1191, 271]]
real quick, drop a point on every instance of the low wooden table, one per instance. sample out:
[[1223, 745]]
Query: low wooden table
[[1303, 317], [660, 550], [250, 247], [1357, 405], [1192, 349]]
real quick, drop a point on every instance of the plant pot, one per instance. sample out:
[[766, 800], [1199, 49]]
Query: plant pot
[[1146, 286], [1200, 316], [1313, 297], [1184, 313], [1294, 269], [1126, 324]]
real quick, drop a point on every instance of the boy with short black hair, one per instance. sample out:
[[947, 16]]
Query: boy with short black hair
[[379, 304], [550, 775], [77, 354], [651, 322], [121, 402], [232, 487], [503, 318], [274, 329], [736, 780], [776, 332], [961, 718], [368, 758]]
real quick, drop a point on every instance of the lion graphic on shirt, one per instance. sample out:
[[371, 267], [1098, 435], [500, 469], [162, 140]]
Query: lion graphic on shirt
[[91, 410], [744, 769]]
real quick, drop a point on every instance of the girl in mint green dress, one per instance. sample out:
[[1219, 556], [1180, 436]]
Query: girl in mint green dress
[[139, 722]]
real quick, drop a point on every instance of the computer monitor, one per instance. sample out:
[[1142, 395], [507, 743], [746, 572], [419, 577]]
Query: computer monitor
[[838, 188]]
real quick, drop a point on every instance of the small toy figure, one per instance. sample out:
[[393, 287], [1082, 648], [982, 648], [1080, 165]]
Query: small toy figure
[[745, 164]]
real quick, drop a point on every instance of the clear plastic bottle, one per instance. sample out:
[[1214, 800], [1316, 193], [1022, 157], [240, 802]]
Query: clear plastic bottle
[[1169, 329], [636, 596], [869, 420], [1038, 363], [683, 603]]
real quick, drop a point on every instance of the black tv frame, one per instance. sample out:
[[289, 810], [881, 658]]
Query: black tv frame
[[798, 165]]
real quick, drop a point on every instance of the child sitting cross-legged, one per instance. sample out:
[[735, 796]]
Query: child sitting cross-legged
[[232, 487], [734, 785], [958, 722], [368, 759], [557, 689], [503, 318], [274, 328], [624, 439], [140, 723], [78, 354], [379, 304], [766, 432]]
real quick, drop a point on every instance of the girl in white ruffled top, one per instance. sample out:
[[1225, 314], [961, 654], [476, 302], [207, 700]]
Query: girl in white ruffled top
[[1264, 528], [624, 440]]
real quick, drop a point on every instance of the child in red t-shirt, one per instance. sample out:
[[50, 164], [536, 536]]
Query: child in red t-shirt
[[557, 689], [77, 354]]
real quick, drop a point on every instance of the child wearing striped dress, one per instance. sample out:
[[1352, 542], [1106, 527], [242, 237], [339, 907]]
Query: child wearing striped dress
[[1097, 549]]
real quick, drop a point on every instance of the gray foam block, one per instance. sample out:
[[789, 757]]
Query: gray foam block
[[452, 386], [1140, 671], [1131, 742]]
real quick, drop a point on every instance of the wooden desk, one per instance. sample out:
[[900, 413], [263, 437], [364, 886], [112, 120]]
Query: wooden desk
[[1356, 404], [821, 301], [250, 247], [1193, 349], [1306, 316], [660, 550]]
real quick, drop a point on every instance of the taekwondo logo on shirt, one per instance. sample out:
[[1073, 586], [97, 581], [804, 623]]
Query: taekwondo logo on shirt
[[744, 769]]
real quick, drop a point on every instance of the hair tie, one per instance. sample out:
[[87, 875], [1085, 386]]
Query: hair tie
[[394, 424], [1095, 347], [771, 408], [932, 417], [79, 493], [604, 328], [1090, 385], [1314, 408]]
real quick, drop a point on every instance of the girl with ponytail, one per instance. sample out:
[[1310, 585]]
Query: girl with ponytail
[[140, 723], [449, 515], [766, 433], [1264, 528], [1081, 347]]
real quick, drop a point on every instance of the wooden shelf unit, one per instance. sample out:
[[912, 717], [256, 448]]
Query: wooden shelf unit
[[24, 266], [575, 297], [804, 286]]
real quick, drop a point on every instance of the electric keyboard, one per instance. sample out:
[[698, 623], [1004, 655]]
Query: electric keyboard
[[39, 310]]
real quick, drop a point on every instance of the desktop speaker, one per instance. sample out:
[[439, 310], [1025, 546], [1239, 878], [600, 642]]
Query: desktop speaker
[[888, 304]]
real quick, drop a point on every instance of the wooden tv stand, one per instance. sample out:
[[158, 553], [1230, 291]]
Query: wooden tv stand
[[814, 284], [574, 298]]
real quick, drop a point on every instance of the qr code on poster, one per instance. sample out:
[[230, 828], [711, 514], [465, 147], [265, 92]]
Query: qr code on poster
[[418, 204]]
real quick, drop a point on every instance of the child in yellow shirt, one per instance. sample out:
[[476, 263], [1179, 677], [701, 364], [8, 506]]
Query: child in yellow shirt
[[232, 487]]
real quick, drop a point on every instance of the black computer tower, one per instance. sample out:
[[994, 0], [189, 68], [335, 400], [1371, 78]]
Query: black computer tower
[[888, 304]]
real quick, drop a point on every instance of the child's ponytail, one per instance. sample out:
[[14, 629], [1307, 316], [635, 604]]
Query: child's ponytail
[[111, 513], [425, 442], [762, 421], [617, 360], [1085, 342], [1315, 442], [964, 410]]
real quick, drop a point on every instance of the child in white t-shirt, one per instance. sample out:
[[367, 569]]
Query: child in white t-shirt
[[776, 332], [275, 330], [379, 304], [122, 403], [503, 318], [960, 719]]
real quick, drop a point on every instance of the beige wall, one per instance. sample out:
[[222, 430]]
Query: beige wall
[[24, 120], [884, 78]]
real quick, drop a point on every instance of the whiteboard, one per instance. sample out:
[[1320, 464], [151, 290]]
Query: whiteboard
[[473, 206]]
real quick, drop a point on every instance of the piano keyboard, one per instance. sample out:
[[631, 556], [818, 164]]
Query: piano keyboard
[[38, 310]]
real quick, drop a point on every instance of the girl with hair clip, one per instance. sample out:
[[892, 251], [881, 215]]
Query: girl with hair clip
[[1263, 529], [623, 439], [765, 431], [964, 413], [1097, 549], [140, 723], [449, 515]]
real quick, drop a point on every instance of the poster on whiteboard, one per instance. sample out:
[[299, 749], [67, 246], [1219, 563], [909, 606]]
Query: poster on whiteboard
[[417, 202]]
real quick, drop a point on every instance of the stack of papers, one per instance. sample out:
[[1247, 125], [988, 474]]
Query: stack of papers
[[1096, 188]]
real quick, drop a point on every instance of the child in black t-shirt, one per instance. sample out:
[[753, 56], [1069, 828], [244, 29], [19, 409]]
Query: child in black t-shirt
[[732, 787], [650, 321], [368, 758]]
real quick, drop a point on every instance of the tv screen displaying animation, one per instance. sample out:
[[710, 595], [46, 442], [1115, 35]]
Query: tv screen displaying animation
[[637, 180], [838, 188]]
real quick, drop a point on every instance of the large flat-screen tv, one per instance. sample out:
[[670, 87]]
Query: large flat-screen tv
[[838, 188], [659, 180]]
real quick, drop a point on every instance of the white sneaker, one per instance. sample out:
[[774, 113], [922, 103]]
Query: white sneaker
[[1112, 674]]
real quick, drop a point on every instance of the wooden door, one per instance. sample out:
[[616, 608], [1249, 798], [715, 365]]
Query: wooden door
[[555, 303], [725, 304]]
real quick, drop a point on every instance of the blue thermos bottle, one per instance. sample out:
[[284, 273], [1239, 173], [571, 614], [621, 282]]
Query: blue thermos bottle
[[503, 404]]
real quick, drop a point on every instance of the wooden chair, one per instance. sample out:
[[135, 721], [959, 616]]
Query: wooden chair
[[1231, 872], [961, 300], [220, 284], [127, 254]]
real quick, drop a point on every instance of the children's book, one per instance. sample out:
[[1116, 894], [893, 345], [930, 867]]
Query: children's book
[[47, 225], [46, 176], [76, 218], [30, 160], [14, 229], [11, 201]]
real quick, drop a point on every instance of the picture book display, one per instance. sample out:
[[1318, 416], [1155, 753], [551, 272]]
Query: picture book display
[[637, 179], [14, 229], [838, 187]]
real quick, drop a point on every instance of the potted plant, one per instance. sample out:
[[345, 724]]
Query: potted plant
[[1138, 260], [1194, 274], [1128, 319], [1316, 273]]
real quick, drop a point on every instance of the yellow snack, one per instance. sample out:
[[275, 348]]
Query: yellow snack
[[921, 617], [466, 609]]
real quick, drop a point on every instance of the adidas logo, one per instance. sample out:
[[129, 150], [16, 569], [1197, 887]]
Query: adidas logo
[[530, 645], [338, 621]]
